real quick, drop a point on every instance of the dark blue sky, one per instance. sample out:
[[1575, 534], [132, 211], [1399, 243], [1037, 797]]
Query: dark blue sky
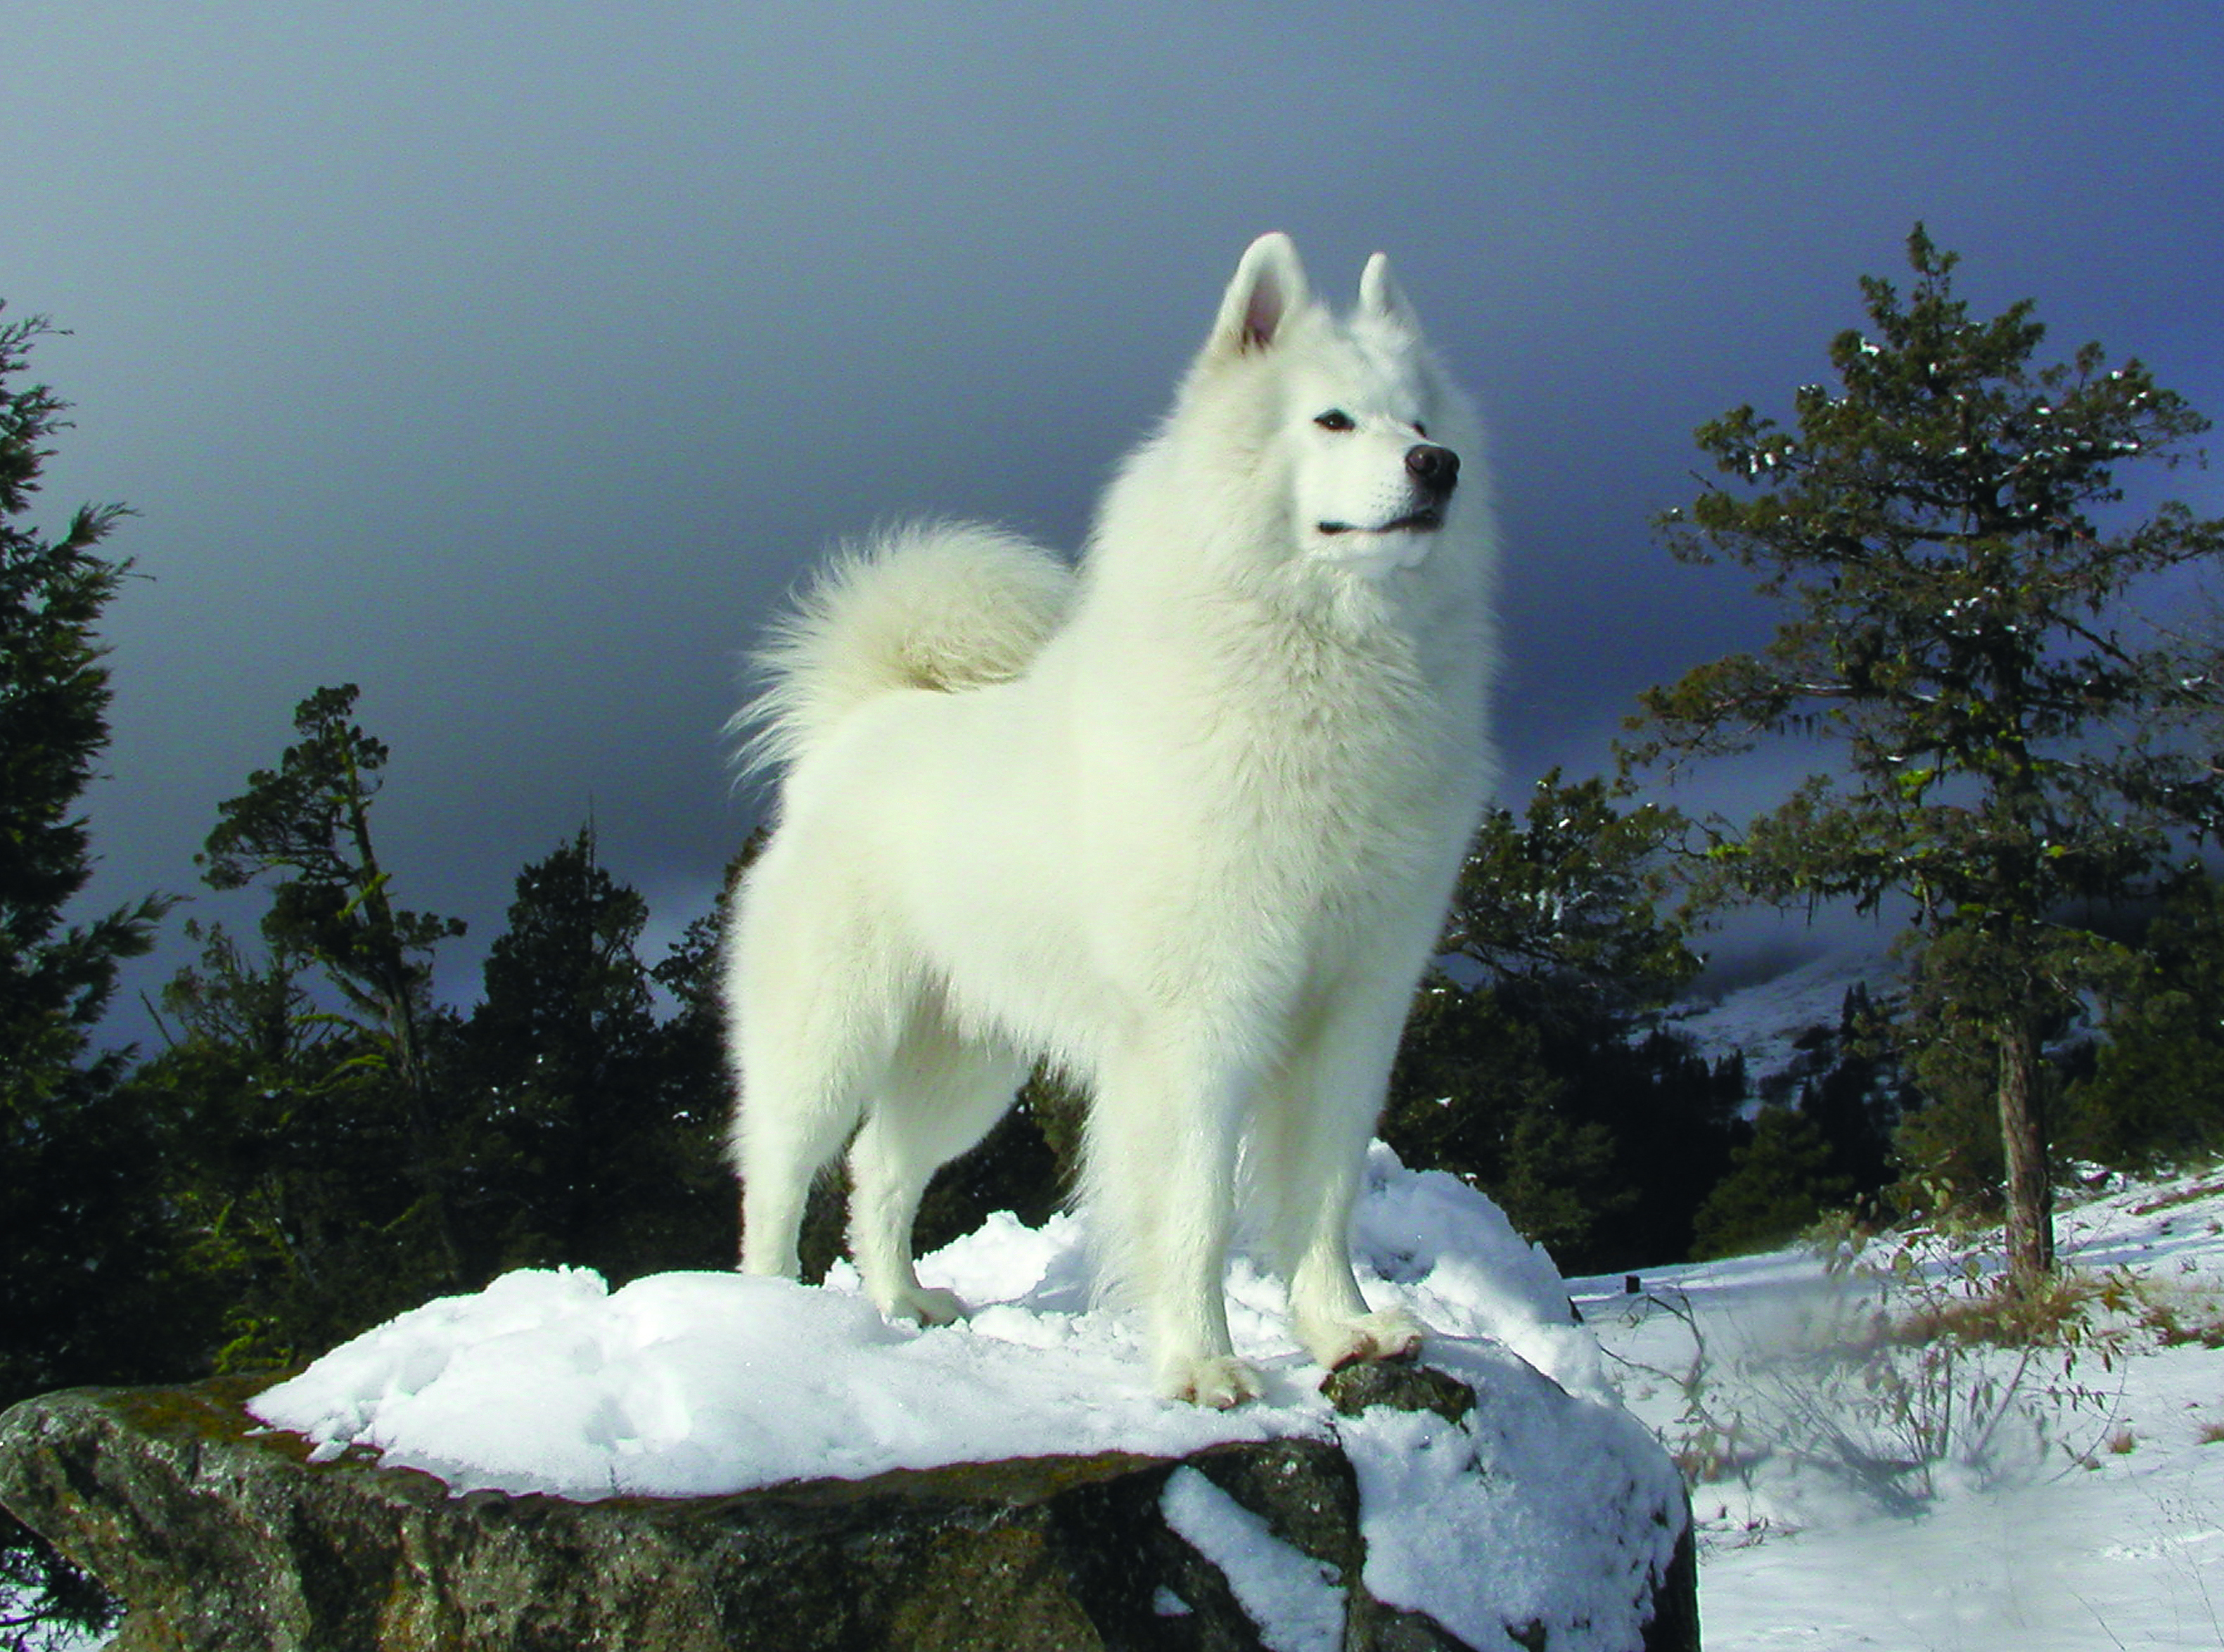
[[509, 358]]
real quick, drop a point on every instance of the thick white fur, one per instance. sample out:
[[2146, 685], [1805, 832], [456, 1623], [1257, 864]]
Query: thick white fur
[[1186, 822]]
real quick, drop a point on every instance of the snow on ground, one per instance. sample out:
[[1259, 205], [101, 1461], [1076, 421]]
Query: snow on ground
[[2094, 1521], [687, 1384]]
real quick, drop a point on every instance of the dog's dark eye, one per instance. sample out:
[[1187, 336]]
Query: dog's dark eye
[[1335, 419]]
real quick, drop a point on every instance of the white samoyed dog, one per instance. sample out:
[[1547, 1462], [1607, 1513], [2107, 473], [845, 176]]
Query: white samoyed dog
[[1184, 821]]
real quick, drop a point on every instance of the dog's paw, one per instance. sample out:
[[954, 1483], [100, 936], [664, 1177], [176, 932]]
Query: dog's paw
[[925, 1305], [1216, 1381], [1391, 1334]]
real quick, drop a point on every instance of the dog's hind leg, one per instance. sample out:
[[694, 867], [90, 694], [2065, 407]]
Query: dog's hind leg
[[814, 1034], [789, 1127], [941, 1096]]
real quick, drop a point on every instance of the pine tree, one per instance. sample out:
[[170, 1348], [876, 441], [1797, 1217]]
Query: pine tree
[[86, 1253], [286, 1158], [311, 1150], [1564, 904], [1958, 627], [1472, 1094], [585, 1152], [1779, 1182], [55, 978], [305, 827], [2155, 1096], [699, 1094], [1521, 1068], [1855, 1096]]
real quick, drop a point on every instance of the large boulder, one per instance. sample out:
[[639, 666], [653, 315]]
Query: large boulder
[[221, 1533]]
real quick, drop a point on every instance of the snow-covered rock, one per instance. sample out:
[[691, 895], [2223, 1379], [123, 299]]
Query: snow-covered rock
[[652, 1450]]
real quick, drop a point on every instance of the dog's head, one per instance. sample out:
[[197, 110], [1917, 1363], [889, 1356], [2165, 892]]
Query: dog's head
[[1354, 422]]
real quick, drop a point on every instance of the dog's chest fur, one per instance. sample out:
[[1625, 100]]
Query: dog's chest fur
[[1318, 771]]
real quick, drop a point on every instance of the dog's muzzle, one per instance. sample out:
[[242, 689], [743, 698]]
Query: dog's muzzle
[[1435, 472]]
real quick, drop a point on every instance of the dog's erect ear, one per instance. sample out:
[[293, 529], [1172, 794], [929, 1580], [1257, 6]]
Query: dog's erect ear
[[1380, 301], [1269, 286]]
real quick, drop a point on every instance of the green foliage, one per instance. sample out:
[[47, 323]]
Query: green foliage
[[310, 1159], [285, 1161], [593, 1135], [701, 1226], [1472, 1094], [55, 979], [2012, 746], [1779, 1182], [2157, 1093], [305, 825], [1857, 1100], [1952, 603], [327, 1179], [1564, 904], [1541, 1090], [1532, 1078], [1821, 1144]]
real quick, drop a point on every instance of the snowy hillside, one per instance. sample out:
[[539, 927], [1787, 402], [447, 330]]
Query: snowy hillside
[[1764, 1019], [2090, 1516]]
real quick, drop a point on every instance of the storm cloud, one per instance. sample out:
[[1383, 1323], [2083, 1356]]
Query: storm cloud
[[511, 359]]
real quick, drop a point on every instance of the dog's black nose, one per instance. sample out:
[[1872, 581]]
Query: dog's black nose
[[1435, 468]]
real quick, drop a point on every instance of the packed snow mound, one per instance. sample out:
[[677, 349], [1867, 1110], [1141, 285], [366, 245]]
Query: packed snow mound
[[689, 1384]]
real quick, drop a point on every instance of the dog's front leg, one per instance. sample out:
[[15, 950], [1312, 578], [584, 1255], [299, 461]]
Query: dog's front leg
[[1162, 1146], [1314, 1131]]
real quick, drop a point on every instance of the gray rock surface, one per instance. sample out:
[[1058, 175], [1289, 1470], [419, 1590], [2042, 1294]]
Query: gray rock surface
[[221, 1535]]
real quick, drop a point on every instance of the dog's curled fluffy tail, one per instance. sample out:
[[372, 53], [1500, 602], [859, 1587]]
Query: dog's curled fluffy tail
[[940, 606]]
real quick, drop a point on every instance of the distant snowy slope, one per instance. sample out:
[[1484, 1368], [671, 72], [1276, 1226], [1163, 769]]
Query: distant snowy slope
[[1764, 1019]]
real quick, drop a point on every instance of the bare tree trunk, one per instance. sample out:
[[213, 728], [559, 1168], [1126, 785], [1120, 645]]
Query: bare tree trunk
[[2023, 1135]]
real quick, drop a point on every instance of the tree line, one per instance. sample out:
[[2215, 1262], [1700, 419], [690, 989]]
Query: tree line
[[2021, 761]]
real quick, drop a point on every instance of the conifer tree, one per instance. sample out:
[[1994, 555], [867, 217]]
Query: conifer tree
[[1959, 625], [1520, 1069], [288, 1159], [306, 827], [1779, 1182], [584, 1151], [1567, 898], [55, 978], [2155, 1096], [82, 1244]]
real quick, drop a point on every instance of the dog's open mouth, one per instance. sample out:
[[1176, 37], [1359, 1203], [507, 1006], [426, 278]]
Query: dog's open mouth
[[1427, 520]]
